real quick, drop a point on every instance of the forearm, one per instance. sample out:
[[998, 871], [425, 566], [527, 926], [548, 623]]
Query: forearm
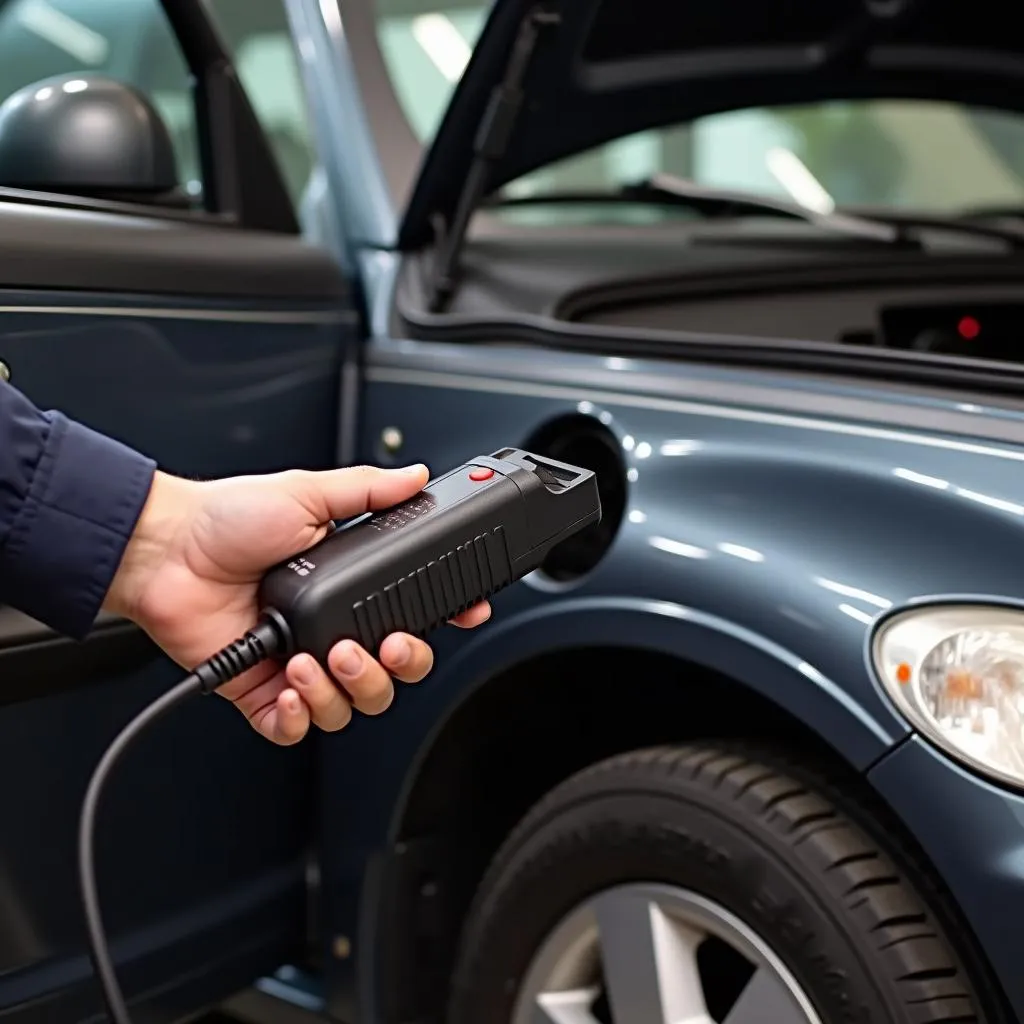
[[70, 499]]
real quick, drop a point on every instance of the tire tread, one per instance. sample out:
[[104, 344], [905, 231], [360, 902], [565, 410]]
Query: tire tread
[[903, 937]]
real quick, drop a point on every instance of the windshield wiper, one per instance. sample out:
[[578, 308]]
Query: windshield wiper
[[720, 202], [729, 202], [891, 229]]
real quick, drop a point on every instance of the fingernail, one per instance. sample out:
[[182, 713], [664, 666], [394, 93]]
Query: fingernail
[[416, 470], [402, 652], [350, 663], [292, 703], [304, 671]]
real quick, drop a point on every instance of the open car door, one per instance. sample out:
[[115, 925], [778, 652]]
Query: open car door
[[191, 321]]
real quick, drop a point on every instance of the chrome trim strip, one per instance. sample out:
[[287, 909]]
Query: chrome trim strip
[[275, 316], [426, 378]]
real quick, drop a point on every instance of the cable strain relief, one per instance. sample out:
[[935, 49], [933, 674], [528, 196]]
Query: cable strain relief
[[272, 624], [267, 639]]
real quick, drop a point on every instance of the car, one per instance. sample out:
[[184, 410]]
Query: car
[[748, 749]]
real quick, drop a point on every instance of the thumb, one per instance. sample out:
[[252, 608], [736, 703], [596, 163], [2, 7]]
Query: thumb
[[343, 493]]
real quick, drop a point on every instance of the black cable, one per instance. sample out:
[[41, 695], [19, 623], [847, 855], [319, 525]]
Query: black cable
[[86, 865], [264, 641]]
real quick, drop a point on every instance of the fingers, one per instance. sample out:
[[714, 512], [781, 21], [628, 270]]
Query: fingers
[[282, 706], [473, 617], [288, 722], [343, 493], [366, 683], [329, 708], [365, 680], [273, 709], [406, 658]]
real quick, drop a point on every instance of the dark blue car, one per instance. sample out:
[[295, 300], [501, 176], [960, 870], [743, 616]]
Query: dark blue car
[[752, 749]]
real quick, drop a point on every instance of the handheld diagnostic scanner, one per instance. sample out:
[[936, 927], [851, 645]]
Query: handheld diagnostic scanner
[[466, 535]]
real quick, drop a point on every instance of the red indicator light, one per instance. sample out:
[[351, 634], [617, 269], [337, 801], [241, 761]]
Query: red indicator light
[[968, 328]]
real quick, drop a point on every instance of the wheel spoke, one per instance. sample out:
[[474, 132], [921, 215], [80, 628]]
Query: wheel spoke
[[572, 1007], [765, 1000], [650, 962]]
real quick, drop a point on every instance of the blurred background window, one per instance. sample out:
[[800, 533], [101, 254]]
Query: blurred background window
[[928, 156], [131, 40]]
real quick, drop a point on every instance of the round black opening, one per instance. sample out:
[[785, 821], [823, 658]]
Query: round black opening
[[582, 441]]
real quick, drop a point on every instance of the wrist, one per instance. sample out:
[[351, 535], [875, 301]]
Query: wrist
[[163, 513]]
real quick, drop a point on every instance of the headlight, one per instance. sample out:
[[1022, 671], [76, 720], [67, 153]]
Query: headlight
[[957, 673]]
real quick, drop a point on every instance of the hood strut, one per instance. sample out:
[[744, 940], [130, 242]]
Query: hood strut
[[492, 138]]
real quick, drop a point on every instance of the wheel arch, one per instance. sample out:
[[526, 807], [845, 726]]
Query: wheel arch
[[562, 701], [662, 632]]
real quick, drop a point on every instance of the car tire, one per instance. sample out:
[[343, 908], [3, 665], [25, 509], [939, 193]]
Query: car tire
[[694, 828]]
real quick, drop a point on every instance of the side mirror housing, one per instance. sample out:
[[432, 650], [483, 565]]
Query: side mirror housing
[[87, 135]]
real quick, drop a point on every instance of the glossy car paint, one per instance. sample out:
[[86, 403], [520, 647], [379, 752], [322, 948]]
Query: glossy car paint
[[771, 520], [974, 835], [191, 383], [760, 540]]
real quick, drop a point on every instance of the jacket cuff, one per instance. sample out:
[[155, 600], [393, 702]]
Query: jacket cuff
[[63, 550]]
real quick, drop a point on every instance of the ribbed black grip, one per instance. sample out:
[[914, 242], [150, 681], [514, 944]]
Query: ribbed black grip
[[436, 592], [261, 642]]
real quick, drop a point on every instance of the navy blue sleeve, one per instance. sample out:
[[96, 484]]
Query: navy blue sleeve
[[69, 501]]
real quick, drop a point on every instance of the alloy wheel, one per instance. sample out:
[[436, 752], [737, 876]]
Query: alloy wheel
[[657, 954]]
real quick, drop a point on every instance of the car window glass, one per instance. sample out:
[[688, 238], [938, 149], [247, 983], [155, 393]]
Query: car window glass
[[931, 156], [426, 50], [258, 35], [131, 40]]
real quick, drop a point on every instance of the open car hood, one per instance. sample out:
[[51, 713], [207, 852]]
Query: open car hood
[[578, 73]]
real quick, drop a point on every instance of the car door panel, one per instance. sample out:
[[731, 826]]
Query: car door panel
[[61, 244], [204, 397], [35, 662], [218, 351]]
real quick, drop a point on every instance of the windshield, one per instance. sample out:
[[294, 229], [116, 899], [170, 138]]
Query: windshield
[[923, 156]]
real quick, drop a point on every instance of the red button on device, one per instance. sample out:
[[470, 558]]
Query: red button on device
[[480, 474]]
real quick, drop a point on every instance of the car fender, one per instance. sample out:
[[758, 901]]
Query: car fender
[[772, 526], [664, 627], [763, 563]]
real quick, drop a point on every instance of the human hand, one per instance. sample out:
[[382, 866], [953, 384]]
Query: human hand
[[190, 573]]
